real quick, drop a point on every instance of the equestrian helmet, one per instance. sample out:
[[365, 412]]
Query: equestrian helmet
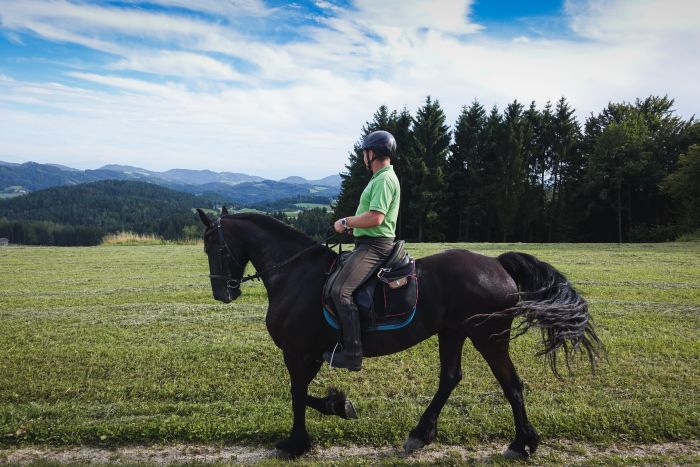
[[382, 142]]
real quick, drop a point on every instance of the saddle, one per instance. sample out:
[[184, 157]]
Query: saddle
[[387, 300]]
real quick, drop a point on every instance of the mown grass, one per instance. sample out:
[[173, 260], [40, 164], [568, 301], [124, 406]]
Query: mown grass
[[112, 344]]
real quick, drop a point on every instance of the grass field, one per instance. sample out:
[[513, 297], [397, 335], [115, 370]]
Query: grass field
[[114, 345]]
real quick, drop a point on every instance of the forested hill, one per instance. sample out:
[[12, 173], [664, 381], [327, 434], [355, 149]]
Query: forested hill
[[82, 214]]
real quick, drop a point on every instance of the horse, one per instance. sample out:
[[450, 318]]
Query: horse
[[462, 295]]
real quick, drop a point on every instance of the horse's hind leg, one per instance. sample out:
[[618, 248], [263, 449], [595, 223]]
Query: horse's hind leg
[[451, 343], [495, 351]]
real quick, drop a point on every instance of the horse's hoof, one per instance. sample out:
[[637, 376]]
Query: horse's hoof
[[514, 455], [350, 412], [413, 444], [288, 448]]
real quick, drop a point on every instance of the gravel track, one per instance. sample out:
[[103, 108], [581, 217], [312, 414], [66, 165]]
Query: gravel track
[[559, 452]]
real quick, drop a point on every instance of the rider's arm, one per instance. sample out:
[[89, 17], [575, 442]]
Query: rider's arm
[[366, 220], [363, 221]]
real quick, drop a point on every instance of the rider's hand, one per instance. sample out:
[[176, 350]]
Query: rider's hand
[[339, 227]]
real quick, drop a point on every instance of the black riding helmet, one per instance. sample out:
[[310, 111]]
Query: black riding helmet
[[382, 142]]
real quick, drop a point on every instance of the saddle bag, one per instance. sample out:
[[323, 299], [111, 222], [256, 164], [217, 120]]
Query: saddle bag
[[400, 288]]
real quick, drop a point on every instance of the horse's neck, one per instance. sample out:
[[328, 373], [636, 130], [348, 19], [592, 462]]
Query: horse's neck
[[267, 249]]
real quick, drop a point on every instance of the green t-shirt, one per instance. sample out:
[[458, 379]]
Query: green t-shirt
[[382, 194]]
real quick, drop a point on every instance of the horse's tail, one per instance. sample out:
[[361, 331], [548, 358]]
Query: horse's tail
[[549, 302]]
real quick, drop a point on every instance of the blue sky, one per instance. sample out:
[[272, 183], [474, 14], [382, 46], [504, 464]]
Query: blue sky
[[283, 88]]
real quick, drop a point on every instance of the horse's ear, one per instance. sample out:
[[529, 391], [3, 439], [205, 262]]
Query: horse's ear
[[224, 211], [205, 219]]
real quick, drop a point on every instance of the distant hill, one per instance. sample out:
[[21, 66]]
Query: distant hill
[[246, 194], [186, 176], [107, 206], [331, 180], [32, 176], [232, 187], [295, 180]]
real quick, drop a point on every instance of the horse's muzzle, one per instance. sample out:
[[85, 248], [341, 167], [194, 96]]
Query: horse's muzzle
[[233, 294], [229, 295]]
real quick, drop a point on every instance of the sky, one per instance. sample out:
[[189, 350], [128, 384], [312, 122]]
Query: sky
[[274, 89]]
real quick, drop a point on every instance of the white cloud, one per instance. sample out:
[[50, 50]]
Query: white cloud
[[180, 64], [625, 20], [226, 8], [390, 18]]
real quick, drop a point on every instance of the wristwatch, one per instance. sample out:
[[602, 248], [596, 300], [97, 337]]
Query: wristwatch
[[344, 222]]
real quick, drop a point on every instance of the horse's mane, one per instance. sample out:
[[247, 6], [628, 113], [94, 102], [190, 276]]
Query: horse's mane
[[263, 220]]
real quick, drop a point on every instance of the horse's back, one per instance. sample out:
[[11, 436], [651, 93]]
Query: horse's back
[[466, 282]]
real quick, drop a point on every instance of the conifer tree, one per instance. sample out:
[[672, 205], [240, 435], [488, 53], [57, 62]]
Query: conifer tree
[[426, 174], [565, 166], [513, 163], [465, 166], [531, 202], [400, 127], [493, 172]]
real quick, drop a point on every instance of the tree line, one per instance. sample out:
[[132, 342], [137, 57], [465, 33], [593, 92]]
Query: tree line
[[83, 214], [315, 222], [529, 174]]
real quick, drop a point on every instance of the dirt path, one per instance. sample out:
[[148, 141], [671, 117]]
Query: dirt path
[[556, 452]]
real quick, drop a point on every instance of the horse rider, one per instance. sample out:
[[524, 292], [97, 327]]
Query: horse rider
[[374, 229]]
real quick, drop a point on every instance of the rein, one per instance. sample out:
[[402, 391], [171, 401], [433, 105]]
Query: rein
[[232, 283]]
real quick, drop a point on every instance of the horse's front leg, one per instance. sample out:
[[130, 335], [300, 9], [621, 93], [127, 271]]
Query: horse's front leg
[[302, 369], [335, 403]]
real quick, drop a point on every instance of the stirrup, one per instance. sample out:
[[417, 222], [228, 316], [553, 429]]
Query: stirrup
[[330, 357], [330, 363]]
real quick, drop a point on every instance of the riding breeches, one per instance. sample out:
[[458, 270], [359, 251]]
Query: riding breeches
[[369, 253]]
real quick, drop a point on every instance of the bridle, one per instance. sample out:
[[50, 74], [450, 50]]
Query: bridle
[[227, 256]]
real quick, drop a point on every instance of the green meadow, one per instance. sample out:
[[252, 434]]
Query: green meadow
[[114, 345]]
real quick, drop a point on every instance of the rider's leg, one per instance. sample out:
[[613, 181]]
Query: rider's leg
[[368, 254]]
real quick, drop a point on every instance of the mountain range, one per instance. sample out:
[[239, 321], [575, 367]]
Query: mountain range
[[232, 187]]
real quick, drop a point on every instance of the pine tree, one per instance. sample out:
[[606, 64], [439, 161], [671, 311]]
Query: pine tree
[[566, 167], [492, 173], [400, 127], [531, 202], [514, 165], [465, 167], [426, 172]]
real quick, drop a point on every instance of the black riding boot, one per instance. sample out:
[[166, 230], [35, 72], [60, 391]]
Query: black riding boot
[[351, 355]]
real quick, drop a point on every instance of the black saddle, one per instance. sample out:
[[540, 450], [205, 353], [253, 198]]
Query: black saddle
[[387, 300]]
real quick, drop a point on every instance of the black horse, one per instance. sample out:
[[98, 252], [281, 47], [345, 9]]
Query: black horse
[[462, 295]]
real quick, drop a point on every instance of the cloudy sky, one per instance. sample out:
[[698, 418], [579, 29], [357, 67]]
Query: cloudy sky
[[283, 88]]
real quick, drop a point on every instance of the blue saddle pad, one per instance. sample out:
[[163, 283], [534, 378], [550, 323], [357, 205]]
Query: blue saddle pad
[[386, 325]]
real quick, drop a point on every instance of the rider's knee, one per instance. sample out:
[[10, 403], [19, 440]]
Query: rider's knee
[[342, 295]]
